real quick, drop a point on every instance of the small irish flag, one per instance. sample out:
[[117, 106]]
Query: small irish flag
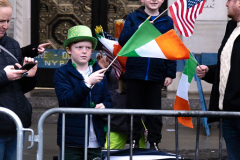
[[181, 101], [147, 41]]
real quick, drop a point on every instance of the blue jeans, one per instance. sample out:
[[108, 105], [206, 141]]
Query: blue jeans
[[8, 146], [231, 134]]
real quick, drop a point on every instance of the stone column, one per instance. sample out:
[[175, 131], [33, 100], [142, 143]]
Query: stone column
[[207, 36], [22, 26]]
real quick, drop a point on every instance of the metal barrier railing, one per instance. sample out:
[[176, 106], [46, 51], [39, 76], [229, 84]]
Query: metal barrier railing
[[39, 138], [20, 131]]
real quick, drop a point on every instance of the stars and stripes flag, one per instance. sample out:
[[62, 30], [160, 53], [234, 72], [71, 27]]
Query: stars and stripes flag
[[184, 13], [110, 55]]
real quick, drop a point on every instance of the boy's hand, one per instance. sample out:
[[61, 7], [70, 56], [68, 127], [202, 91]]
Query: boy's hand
[[167, 81], [201, 71], [100, 106], [95, 77], [13, 74], [103, 62]]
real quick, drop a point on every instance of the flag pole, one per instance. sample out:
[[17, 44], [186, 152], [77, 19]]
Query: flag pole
[[196, 61], [109, 64], [107, 68], [160, 14], [103, 33]]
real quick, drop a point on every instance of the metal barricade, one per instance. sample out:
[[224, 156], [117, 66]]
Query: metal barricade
[[39, 138], [20, 131]]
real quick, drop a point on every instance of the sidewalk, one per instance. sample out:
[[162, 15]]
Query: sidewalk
[[208, 146]]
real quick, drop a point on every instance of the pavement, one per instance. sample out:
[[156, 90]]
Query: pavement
[[208, 145]]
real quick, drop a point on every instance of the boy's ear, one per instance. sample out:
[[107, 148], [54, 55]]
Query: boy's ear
[[68, 50], [142, 1]]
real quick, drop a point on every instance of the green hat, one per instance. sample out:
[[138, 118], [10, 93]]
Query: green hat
[[80, 33]]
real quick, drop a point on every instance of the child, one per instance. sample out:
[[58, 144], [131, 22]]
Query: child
[[145, 77], [72, 84]]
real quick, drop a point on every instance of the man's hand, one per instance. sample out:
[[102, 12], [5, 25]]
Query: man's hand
[[13, 74], [41, 48], [201, 71], [167, 81], [100, 106], [103, 62], [95, 77], [31, 72]]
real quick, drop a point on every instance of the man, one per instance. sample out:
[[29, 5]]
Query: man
[[13, 85], [225, 77]]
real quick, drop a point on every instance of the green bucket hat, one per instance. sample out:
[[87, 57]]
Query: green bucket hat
[[80, 33]]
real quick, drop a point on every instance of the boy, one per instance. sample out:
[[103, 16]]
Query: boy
[[145, 77], [72, 84]]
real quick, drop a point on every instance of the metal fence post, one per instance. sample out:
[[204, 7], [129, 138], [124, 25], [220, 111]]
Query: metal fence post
[[176, 136], [86, 137], [108, 142], [131, 138], [220, 138], [19, 131], [197, 138], [63, 136]]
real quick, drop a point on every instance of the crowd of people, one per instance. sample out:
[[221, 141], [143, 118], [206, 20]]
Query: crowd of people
[[81, 83]]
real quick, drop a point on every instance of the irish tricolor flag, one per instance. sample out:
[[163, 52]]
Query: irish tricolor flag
[[181, 102], [147, 41]]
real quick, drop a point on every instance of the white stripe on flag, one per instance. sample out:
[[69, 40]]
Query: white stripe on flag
[[183, 87], [152, 48], [177, 15], [108, 43]]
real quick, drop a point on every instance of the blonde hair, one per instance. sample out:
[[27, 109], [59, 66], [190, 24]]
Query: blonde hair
[[5, 3]]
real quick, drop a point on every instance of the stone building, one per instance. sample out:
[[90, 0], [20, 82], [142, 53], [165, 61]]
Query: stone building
[[41, 21]]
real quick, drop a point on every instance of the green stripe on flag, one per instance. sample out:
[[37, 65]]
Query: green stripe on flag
[[132, 54], [142, 36], [190, 68]]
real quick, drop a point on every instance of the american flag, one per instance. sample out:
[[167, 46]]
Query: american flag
[[184, 13], [116, 65]]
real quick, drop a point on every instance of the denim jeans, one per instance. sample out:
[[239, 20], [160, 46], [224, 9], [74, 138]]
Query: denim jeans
[[8, 146], [231, 134]]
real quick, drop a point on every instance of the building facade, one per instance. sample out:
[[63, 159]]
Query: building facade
[[41, 21]]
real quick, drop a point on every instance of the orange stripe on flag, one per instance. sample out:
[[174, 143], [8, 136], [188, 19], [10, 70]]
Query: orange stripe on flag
[[182, 104], [122, 60], [172, 46]]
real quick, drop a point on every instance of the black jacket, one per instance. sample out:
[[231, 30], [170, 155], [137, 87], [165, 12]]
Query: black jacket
[[231, 100], [72, 92], [12, 92], [149, 69]]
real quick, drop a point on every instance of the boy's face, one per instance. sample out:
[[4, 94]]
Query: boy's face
[[80, 52], [152, 4]]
